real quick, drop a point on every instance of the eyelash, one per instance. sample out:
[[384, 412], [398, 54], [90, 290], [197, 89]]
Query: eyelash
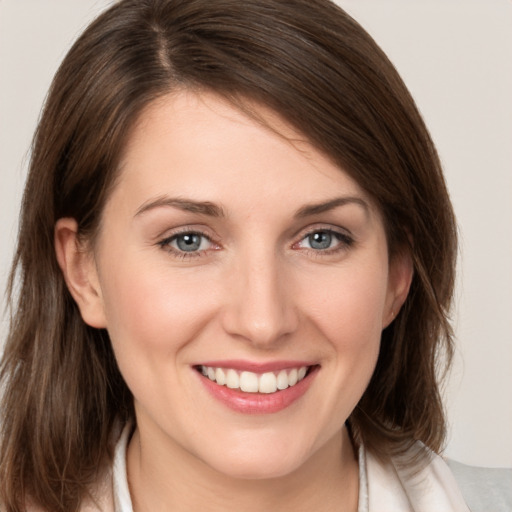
[[345, 242]]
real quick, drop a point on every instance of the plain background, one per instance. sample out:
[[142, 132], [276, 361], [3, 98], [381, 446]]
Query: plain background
[[456, 58]]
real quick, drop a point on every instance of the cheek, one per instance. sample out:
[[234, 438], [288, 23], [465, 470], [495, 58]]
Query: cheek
[[350, 306], [349, 317], [152, 315], [151, 311]]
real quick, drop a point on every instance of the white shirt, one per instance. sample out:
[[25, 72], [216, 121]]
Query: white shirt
[[382, 487]]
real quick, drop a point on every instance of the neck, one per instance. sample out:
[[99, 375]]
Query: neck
[[177, 480]]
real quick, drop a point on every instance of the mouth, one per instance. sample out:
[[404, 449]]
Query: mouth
[[258, 391], [252, 382]]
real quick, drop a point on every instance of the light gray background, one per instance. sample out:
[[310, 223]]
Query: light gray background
[[456, 58]]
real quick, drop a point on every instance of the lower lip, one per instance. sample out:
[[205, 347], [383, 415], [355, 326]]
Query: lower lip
[[258, 403]]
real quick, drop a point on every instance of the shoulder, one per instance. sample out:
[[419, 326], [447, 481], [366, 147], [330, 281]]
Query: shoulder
[[484, 489], [394, 486], [99, 499], [110, 491], [439, 486]]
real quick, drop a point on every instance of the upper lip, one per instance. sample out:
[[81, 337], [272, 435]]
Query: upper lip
[[256, 367]]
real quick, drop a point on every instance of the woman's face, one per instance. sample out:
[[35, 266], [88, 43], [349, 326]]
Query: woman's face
[[230, 250]]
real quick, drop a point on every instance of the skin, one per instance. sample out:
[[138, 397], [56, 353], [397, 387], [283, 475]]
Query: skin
[[256, 290]]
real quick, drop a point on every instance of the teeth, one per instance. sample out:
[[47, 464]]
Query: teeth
[[250, 382], [220, 376], [232, 379], [268, 383], [282, 380], [293, 377]]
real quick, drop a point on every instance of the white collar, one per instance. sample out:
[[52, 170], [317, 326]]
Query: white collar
[[122, 498], [392, 488]]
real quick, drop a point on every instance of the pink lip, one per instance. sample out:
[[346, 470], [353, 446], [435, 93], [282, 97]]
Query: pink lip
[[258, 403]]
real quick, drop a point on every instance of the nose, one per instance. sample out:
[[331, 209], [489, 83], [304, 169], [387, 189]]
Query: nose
[[261, 307]]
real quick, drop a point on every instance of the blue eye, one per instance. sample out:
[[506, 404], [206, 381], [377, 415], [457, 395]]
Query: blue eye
[[325, 240], [187, 243], [320, 240]]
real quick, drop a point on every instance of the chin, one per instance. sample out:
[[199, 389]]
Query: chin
[[261, 468], [257, 460]]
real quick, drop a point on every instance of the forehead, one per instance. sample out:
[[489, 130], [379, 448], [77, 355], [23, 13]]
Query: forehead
[[197, 145]]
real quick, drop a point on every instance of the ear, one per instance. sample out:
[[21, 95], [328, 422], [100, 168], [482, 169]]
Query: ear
[[79, 269], [401, 272]]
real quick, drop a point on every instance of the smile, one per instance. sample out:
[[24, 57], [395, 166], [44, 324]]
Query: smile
[[251, 382], [256, 389]]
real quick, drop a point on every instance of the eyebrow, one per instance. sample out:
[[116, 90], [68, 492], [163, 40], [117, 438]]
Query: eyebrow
[[188, 205], [213, 210], [314, 209]]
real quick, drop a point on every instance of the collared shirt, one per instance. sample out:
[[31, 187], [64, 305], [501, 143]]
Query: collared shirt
[[383, 487]]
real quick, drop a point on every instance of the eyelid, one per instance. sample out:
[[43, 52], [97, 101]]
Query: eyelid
[[313, 228]]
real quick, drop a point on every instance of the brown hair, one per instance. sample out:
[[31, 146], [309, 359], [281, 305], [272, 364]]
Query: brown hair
[[312, 64]]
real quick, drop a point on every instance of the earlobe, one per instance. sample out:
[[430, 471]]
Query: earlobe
[[400, 279], [78, 267]]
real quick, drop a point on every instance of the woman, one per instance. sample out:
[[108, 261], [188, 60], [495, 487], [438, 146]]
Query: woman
[[235, 264]]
